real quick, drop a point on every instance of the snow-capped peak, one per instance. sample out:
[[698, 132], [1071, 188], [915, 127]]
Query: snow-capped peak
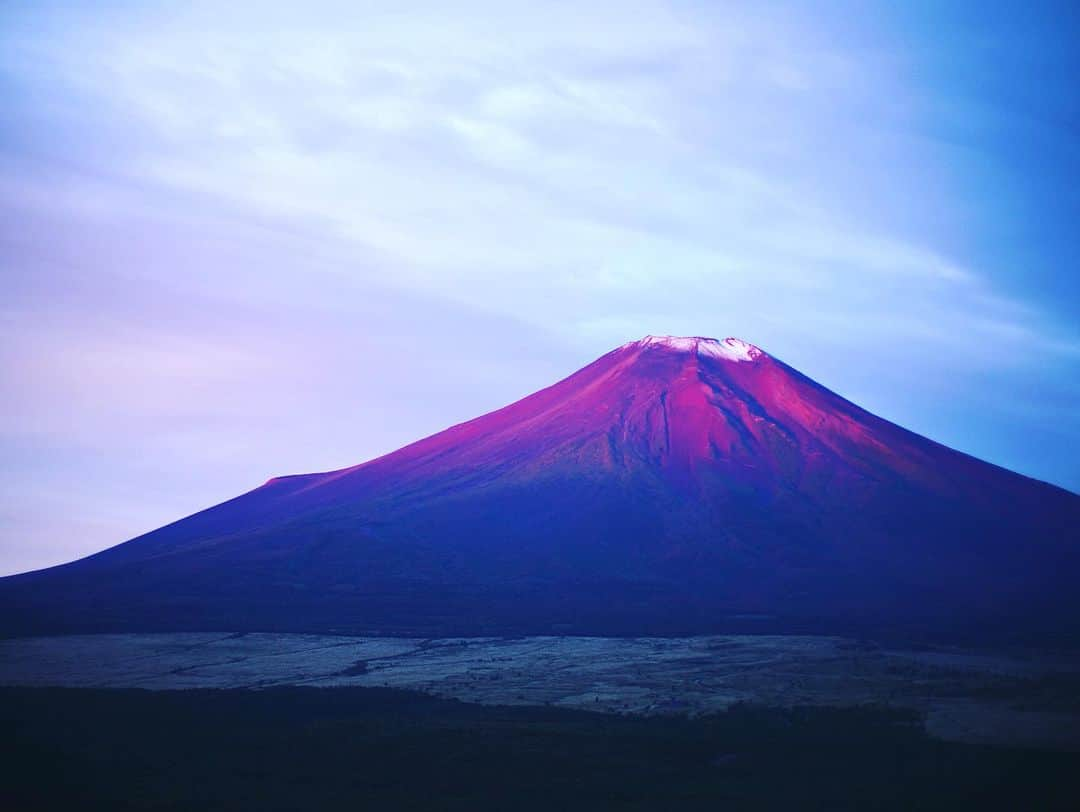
[[733, 349], [730, 349]]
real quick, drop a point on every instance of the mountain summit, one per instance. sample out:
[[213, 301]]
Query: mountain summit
[[675, 485]]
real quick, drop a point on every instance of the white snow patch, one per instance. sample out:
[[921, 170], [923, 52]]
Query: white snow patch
[[680, 344], [730, 349]]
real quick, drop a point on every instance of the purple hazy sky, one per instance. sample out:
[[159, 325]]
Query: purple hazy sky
[[242, 240]]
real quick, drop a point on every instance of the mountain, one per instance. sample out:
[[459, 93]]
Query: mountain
[[673, 486]]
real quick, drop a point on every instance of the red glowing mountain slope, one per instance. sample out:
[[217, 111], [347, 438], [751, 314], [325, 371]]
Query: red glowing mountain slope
[[674, 485]]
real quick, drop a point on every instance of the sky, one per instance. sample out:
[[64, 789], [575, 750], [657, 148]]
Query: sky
[[240, 240]]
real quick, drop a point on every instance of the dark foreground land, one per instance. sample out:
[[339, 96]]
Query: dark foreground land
[[374, 749]]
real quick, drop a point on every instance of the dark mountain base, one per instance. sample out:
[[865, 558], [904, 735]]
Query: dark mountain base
[[587, 608], [379, 749]]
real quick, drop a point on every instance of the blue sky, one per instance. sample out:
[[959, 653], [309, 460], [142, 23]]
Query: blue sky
[[283, 237]]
